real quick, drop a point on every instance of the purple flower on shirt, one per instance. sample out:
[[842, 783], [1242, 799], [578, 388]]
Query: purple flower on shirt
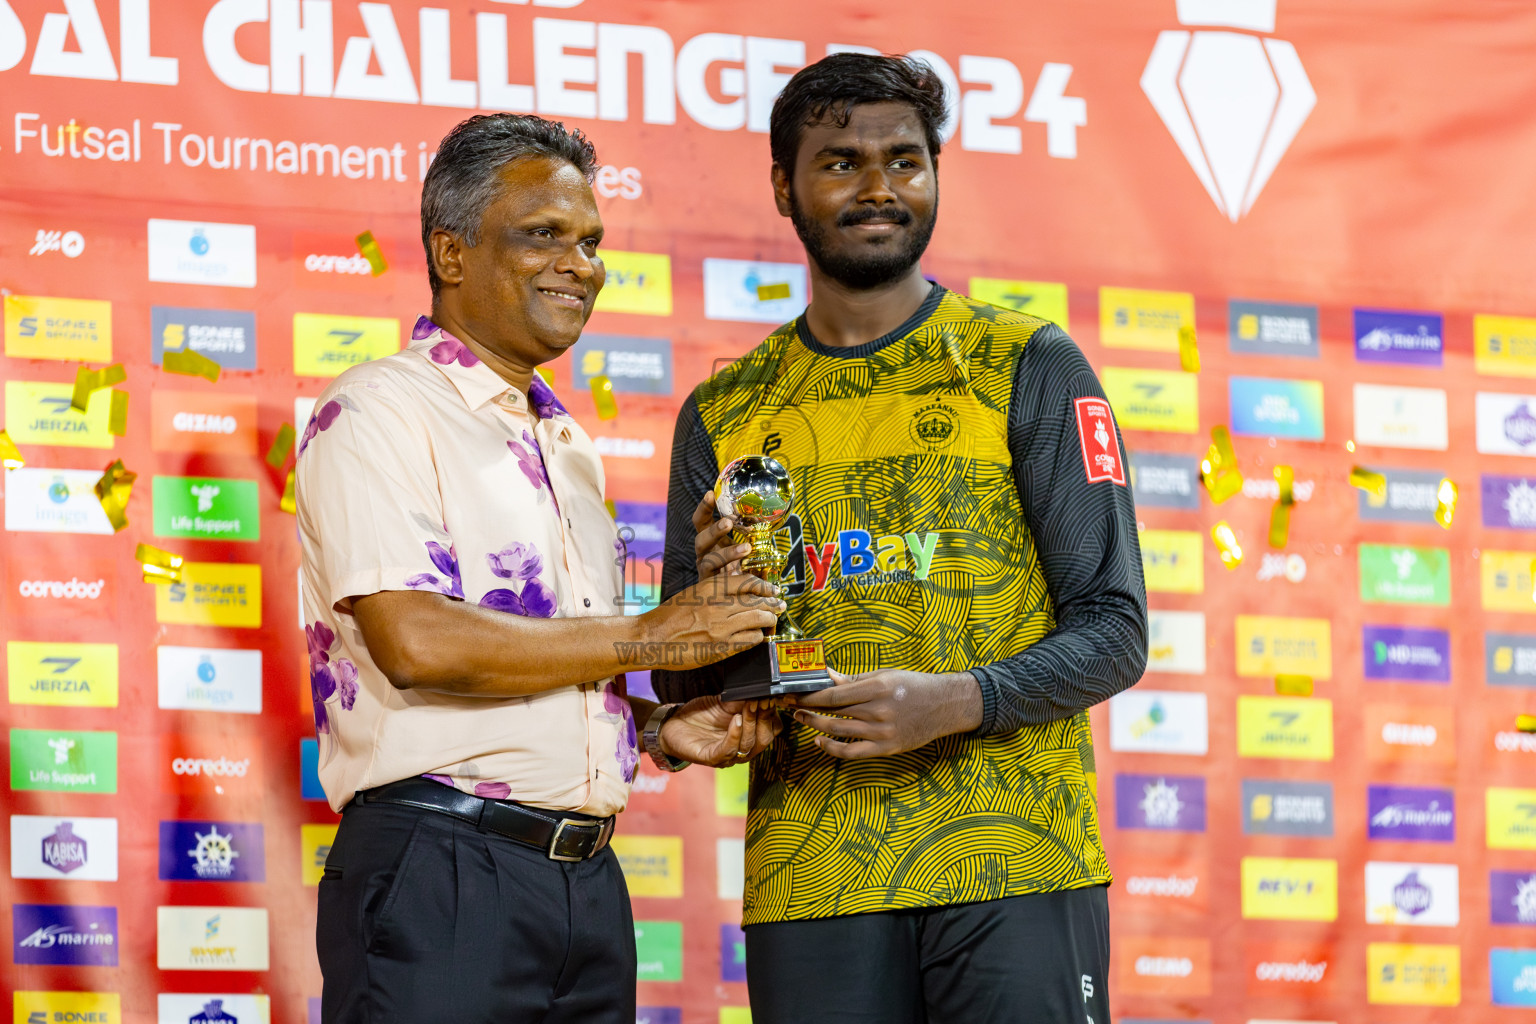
[[494, 790], [516, 561], [627, 751], [543, 400], [537, 600], [423, 328], [445, 780], [531, 461], [447, 562], [327, 677], [321, 420], [452, 350]]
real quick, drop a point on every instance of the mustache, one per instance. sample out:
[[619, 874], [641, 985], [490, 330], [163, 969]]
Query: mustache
[[873, 215]]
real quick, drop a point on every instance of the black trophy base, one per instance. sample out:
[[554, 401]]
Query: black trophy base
[[776, 667]]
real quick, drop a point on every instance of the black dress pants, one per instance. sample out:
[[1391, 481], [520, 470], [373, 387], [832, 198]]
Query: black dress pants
[[426, 919], [1036, 959]]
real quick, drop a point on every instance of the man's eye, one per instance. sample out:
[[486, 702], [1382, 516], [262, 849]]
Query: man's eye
[[542, 233]]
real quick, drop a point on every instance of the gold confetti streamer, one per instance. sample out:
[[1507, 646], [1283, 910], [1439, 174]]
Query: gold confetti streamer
[[1293, 686], [191, 364], [602, 396], [113, 491], [769, 292], [160, 566], [1526, 723], [282, 444], [613, 512], [1445, 507], [1285, 477], [1218, 471], [117, 417], [1374, 484], [1280, 515], [1226, 543], [289, 502], [89, 381], [10, 455], [372, 253], [1189, 350]]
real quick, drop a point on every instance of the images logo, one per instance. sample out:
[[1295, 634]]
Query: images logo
[[638, 282], [769, 293], [75, 330], [1412, 813], [324, 344], [1281, 889], [1386, 336], [227, 336], [1166, 400], [1164, 803], [633, 365], [1158, 722], [79, 849], [1512, 897], [653, 865], [1162, 480], [62, 675], [1412, 975], [211, 938], [1511, 819], [206, 508], [1398, 417], [54, 501], [68, 935], [1504, 345], [37, 412], [1268, 407], [1406, 575], [212, 594], [1134, 318], [194, 252], [1272, 329], [1285, 727], [1510, 659], [209, 679], [63, 762], [1044, 299], [1271, 645], [211, 851], [1276, 807], [1173, 561], [1418, 894], [1233, 102]]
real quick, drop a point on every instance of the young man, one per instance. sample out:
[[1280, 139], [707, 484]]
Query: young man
[[460, 592], [923, 842]]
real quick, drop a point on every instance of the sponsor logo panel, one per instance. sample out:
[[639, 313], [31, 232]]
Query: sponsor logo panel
[[1511, 818], [1290, 889], [1281, 807], [1176, 642], [1395, 574], [227, 336], [1164, 965], [1400, 974], [206, 508], [331, 262], [733, 953], [1411, 733], [325, 344], [1137, 318], [1420, 894], [1165, 400], [1044, 299], [765, 293], [1163, 803], [1509, 659], [641, 282], [212, 851], [77, 936], [62, 675], [1509, 502], [209, 679], [659, 950], [1399, 417], [64, 762], [1512, 897], [211, 938], [1506, 581], [38, 412], [1291, 970], [1270, 645], [1411, 813], [1158, 722], [730, 867], [56, 588], [78, 849], [1412, 497], [632, 365], [212, 594], [213, 1009], [309, 772], [1513, 974], [74, 330], [211, 765], [193, 421], [1407, 654], [1299, 728], [1173, 561], [1506, 424], [51, 1007], [1504, 346], [201, 252], [1271, 407], [1165, 480], [653, 865], [315, 843], [1393, 336], [1272, 329], [1160, 886], [54, 501]]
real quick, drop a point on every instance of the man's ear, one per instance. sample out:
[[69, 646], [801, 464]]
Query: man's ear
[[781, 197], [447, 256]]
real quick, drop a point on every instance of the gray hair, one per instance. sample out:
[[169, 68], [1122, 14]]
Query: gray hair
[[463, 179]]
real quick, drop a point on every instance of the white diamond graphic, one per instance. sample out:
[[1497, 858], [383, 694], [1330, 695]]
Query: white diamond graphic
[[1233, 103]]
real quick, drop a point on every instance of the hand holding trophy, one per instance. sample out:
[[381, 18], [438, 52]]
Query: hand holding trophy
[[755, 492]]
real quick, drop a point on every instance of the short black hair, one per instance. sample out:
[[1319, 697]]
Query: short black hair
[[829, 89], [464, 180]]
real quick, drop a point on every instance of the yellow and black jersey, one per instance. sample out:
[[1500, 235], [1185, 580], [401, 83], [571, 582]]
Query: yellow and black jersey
[[961, 503]]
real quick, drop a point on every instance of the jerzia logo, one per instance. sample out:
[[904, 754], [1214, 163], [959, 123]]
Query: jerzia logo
[[859, 556], [1232, 101]]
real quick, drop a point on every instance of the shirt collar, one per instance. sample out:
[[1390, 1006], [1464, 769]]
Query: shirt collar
[[477, 383]]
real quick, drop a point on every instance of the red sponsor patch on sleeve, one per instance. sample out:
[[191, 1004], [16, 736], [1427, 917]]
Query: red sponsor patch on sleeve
[[1096, 432]]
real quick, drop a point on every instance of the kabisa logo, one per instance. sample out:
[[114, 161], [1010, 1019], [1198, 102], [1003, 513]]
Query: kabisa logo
[[1412, 813], [213, 1013], [1512, 897], [70, 243], [1412, 896], [1233, 102], [1168, 803], [69, 935], [934, 426], [1426, 895], [63, 850]]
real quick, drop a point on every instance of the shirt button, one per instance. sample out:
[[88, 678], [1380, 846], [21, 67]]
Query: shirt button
[[586, 602]]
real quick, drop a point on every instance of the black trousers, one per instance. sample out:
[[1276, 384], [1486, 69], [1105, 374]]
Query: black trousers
[[1036, 959], [426, 919]]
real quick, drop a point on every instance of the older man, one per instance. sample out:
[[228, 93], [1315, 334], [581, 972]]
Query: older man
[[460, 588]]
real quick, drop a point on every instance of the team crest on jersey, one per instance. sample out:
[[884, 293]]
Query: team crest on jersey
[[1096, 433], [934, 425]]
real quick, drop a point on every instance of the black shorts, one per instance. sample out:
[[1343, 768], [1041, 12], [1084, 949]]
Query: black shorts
[[1025, 959]]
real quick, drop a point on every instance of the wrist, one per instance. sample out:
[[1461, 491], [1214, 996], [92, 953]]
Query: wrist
[[660, 756], [962, 699]]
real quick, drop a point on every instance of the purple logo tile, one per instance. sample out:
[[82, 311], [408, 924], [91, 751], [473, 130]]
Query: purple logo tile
[[73, 935], [1512, 897], [1509, 502], [1391, 336], [212, 851], [658, 1015], [1411, 813], [1407, 654], [733, 953], [1165, 803]]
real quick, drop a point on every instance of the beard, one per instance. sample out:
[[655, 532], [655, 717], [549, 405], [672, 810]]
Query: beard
[[863, 267]]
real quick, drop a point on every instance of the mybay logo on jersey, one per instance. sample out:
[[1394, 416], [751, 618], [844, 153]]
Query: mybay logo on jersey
[[1232, 101], [1411, 813], [62, 674], [1402, 974], [1406, 654], [637, 282], [1397, 417], [768, 293], [42, 327], [209, 679], [211, 765], [1165, 480], [1398, 574], [1269, 645], [1167, 966], [222, 422], [1176, 642], [212, 851], [633, 365], [223, 1008], [1165, 400], [227, 336], [1299, 728], [1418, 894], [653, 865], [1173, 561], [1509, 502], [1137, 318], [1512, 976], [1280, 807], [1290, 889], [1272, 329], [1158, 722], [860, 557], [1393, 336], [211, 938], [206, 508], [1504, 346], [1511, 817], [63, 762], [212, 594], [202, 252], [39, 500], [1509, 659], [1512, 897], [1162, 803], [39, 412], [79, 849], [1506, 581], [68, 1008], [325, 344], [1291, 970], [1271, 407], [1044, 299], [1506, 424], [1410, 733], [1412, 497], [76, 936], [315, 842], [1158, 886]]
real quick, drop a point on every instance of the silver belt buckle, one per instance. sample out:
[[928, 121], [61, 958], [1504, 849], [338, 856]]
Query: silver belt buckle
[[554, 841]]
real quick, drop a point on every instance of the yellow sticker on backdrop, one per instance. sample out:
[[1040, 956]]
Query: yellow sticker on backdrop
[[653, 865], [212, 594], [314, 846], [1137, 318], [78, 330], [1167, 400], [39, 412], [735, 1015], [636, 282], [48, 1007], [324, 344], [1506, 577], [10, 455], [1290, 889], [1271, 645], [1504, 346], [1404, 974], [1044, 299], [1290, 728], [731, 791], [1511, 819], [1172, 561], [62, 675]]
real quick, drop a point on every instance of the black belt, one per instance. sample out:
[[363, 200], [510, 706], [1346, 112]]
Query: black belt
[[558, 837]]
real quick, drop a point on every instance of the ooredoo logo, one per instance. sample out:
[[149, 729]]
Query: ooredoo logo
[[223, 767], [328, 264], [74, 589], [43, 588], [1294, 969], [1160, 886], [330, 261]]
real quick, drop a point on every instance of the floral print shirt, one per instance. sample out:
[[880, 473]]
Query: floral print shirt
[[426, 471]]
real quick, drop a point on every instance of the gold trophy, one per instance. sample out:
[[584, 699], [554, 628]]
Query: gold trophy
[[755, 493]]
